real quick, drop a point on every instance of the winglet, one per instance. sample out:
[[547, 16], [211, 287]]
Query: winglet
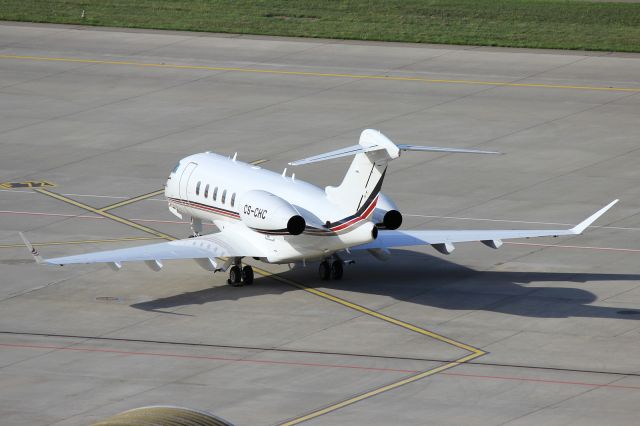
[[33, 251], [579, 228]]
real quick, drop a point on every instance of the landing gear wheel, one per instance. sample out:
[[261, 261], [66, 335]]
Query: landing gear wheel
[[337, 271], [234, 276], [247, 275], [324, 271]]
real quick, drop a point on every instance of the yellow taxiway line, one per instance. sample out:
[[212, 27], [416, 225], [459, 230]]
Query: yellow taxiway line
[[105, 214], [324, 74], [131, 200], [382, 389], [474, 352]]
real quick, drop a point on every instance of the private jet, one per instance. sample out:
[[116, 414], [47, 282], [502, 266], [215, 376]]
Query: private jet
[[276, 218]]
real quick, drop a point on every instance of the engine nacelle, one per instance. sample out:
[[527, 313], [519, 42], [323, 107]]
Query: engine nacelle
[[386, 214], [264, 211]]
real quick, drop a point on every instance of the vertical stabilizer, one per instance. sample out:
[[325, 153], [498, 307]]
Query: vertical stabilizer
[[364, 178]]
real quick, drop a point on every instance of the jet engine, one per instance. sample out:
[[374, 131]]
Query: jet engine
[[266, 212], [386, 214]]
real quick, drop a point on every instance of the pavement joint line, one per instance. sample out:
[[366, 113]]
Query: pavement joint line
[[131, 200], [174, 343], [323, 74], [204, 357], [474, 352]]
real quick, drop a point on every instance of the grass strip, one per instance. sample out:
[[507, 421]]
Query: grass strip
[[559, 24]]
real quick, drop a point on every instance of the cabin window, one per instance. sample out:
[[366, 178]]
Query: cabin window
[[224, 196], [215, 194], [206, 191], [198, 188], [233, 199]]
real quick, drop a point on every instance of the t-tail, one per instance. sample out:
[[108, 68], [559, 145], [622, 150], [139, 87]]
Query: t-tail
[[362, 183]]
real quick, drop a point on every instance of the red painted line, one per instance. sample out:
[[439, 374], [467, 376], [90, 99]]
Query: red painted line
[[308, 364], [555, 382], [204, 357], [575, 247]]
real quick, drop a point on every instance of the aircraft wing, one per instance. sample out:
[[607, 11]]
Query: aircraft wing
[[208, 246], [441, 238]]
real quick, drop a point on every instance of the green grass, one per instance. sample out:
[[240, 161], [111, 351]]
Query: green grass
[[517, 23]]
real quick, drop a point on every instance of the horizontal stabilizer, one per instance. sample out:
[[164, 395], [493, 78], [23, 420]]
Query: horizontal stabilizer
[[344, 152], [443, 149], [372, 140]]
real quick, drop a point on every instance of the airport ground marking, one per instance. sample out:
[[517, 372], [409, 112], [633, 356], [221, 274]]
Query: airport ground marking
[[474, 352], [105, 214], [27, 184], [382, 389], [323, 74], [65, 243], [131, 200]]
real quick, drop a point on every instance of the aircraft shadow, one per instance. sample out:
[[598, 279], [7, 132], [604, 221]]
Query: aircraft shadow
[[433, 281]]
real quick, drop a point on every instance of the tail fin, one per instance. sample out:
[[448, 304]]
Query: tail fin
[[363, 180]]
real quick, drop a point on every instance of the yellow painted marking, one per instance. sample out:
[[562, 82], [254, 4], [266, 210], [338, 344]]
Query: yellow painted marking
[[368, 311], [382, 389], [323, 74], [475, 352], [28, 184], [105, 214], [64, 243], [256, 162], [131, 200]]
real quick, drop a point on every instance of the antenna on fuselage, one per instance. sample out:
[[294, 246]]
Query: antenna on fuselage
[[284, 172], [234, 157]]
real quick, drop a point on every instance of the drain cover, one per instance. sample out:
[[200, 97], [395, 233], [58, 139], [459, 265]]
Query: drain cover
[[108, 299]]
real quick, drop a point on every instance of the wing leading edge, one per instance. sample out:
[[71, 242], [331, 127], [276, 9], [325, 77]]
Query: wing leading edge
[[388, 239]]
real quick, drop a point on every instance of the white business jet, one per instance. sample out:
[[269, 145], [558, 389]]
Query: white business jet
[[276, 218]]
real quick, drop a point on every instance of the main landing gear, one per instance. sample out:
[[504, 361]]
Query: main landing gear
[[240, 275], [333, 270]]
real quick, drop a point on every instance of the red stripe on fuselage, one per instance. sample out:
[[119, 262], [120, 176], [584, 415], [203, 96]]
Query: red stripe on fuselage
[[363, 216]]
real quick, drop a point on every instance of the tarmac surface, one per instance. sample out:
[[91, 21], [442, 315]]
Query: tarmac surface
[[542, 331]]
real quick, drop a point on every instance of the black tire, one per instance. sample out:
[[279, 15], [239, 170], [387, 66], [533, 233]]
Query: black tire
[[337, 270], [234, 276], [324, 271], [247, 275]]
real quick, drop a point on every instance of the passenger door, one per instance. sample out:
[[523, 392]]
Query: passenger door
[[185, 179]]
